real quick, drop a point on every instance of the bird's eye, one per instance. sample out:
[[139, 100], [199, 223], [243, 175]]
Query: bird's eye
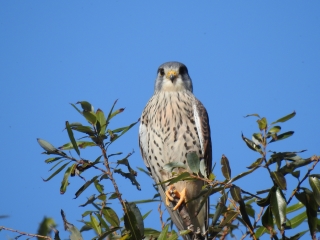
[[161, 71], [183, 70]]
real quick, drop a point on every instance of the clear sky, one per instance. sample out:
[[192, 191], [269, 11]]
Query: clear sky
[[243, 57]]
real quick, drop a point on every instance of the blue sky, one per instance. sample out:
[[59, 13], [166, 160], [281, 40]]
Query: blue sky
[[243, 57]]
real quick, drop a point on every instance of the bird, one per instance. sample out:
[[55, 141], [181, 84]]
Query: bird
[[173, 124]]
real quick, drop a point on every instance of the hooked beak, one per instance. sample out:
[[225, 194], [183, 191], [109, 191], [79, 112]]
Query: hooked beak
[[172, 75]]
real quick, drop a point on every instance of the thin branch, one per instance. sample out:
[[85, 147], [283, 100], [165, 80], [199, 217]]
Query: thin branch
[[24, 233], [316, 160]]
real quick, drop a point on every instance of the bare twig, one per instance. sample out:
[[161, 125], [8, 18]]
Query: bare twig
[[160, 214], [24, 233]]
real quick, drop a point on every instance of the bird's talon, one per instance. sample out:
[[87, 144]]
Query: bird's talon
[[182, 199]]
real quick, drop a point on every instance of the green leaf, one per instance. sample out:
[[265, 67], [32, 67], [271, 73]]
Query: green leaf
[[251, 144], [85, 186], [261, 230], [180, 177], [221, 206], [107, 233], [278, 206], [169, 167], [51, 160], [75, 107], [84, 129], [297, 220], [315, 185], [125, 129], [274, 129], [279, 179], [56, 172], [86, 106], [193, 162], [102, 121], [95, 224], [285, 118], [116, 112], [138, 216], [262, 123], [71, 137], [256, 163], [225, 167], [91, 117], [295, 207], [241, 175], [228, 219], [264, 201], [111, 216], [65, 182], [130, 222], [98, 186], [267, 219], [252, 115], [80, 144], [282, 136], [163, 234], [236, 193], [257, 138]]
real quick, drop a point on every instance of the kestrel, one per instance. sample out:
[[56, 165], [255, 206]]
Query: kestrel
[[173, 124]]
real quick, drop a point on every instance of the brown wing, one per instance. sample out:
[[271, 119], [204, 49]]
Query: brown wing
[[205, 134]]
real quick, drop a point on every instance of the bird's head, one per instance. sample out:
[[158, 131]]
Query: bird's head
[[174, 77]]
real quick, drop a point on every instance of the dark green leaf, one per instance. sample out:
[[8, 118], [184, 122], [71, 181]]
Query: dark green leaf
[[256, 163], [278, 206], [86, 106], [51, 160], [257, 138], [85, 186], [71, 137], [267, 219], [315, 185], [225, 167], [285, 118], [65, 182], [282, 136], [296, 174], [262, 123], [102, 121], [279, 179], [170, 166], [244, 214], [260, 232], [90, 200], [298, 235], [56, 172], [84, 129], [138, 216], [264, 201], [221, 206], [252, 115], [107, 233], [111, 216], [193, 162], [251, 144], [130, 222], [236, 193]]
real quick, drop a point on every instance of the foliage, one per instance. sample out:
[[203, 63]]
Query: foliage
[[236, 209]]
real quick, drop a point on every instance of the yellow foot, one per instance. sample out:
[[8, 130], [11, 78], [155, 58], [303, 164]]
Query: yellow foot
[[182, 199], [181, 195]]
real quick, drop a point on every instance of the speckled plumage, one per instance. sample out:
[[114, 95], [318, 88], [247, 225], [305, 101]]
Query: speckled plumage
[[173, 124]]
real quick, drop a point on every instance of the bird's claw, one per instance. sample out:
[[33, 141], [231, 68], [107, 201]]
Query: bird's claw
[[171, 191]]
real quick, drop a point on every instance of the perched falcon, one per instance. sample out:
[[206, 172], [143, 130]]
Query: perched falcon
[[173, 124]]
